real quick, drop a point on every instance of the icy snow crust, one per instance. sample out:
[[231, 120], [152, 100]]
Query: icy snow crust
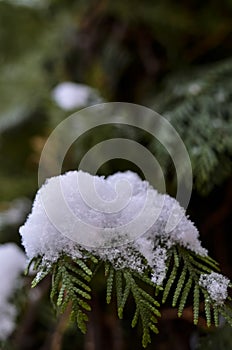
[[114, 209], [12, 263]]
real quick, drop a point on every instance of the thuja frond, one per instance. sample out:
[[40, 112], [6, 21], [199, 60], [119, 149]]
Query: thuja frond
[[184, 269], [182, 282], [172, 277], [109, 270], [42, 269], [146, 307], [70, 285]]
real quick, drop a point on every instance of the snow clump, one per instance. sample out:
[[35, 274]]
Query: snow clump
[[121, 219], [12, 264], [216, 285]]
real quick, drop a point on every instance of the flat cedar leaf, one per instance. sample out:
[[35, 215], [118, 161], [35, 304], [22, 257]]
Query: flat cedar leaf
[[209, 261], [207, 309], [39, 277], [143, 277], [200, 265], [70, 287], [84, 305], [196, 302], [61, 295], [179, 286], [124, 300], [135, 318], [148, 297], [146, 338], [118, 279], [83, 266], [80, 283], [109, 284], [150, 307], [81, 293], [78, 271], [176, 257], [154, 329], [169, 283], [184, 296], [216, 316]]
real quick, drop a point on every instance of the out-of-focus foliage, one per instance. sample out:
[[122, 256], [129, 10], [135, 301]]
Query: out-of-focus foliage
[[198, 105], [220, 339]]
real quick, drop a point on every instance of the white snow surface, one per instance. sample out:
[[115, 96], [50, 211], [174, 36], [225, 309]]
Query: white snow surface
[[216, 285], [125, 220], [12, 263]]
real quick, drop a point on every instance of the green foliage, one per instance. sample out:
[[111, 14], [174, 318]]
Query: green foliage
[[182, 282], [146, 306], [71, 289], [70, 286], [198, 104]]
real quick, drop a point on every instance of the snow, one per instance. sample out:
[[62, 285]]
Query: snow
[[12, 263], [216, 285], [69, 95], [121, 219], [16, 212]]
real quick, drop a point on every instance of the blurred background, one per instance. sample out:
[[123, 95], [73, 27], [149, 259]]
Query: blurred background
[[58, 56]]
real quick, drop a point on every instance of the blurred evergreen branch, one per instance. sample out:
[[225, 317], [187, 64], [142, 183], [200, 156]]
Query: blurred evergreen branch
[[198, 105]]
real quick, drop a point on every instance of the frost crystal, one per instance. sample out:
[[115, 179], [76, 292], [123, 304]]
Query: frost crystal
[[12, 263], [216, 285], [121, 218], [159, 266]]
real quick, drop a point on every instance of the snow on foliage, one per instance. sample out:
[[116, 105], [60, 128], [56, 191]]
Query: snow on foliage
[[12, 263], [69, 95], [126, 217], [216, 285]]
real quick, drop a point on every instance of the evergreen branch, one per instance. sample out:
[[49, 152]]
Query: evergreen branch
[[34, 263], [43, 271], [216, 316], [146, 307], [172, 276], [187, 275], [207, 309], [109, 283], [179, 286], [184, 296], [124, 298], [196, 107], [196, 304], [135, 318], [118, 280], [70, 285], [71, 289], [146, 279]]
